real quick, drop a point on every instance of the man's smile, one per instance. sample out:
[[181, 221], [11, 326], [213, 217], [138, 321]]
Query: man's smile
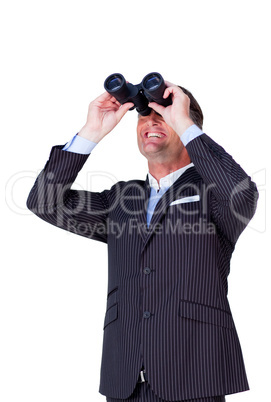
[[154, 135], [153, 132]]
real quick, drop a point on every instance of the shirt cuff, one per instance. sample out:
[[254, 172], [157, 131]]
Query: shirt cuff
[[190, 134], [79, 145]]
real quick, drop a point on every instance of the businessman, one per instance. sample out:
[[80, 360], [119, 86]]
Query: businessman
[[169, 334]]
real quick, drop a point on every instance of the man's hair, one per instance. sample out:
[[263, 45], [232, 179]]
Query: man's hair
[[195, 110]]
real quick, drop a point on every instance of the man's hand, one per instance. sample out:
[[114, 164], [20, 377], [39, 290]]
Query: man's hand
[[104, 113], [177, 114]]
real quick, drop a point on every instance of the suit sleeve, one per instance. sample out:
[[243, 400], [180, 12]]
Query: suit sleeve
[[51, 198], [233, 193]]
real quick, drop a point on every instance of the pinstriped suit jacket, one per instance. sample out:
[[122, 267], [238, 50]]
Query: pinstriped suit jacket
[[167, 306]]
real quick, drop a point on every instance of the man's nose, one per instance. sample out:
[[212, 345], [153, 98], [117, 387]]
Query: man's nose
[[153, 118]]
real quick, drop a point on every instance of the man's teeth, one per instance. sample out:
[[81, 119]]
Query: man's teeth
[[155, 135]]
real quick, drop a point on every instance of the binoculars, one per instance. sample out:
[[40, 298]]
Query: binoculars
[[151, 89]]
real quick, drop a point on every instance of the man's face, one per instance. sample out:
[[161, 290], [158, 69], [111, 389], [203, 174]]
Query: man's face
[[156, 140]]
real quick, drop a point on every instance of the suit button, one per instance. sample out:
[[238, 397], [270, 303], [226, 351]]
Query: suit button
[[146, 314], [147, 271]]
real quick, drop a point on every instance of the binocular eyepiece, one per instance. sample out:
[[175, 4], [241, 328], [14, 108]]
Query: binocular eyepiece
[[151, 89]]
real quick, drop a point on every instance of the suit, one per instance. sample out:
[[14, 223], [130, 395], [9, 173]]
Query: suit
[[167, 306]]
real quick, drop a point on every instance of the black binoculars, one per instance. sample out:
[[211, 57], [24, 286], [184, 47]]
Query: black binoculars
[[151, 89]]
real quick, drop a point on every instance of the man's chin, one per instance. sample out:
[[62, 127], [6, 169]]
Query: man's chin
[[152, 155], [151, 149]]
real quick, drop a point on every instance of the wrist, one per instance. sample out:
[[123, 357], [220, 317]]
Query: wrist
[[89, 134], [183, 126]]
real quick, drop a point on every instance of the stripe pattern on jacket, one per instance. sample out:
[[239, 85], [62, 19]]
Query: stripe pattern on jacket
[[167, 306]]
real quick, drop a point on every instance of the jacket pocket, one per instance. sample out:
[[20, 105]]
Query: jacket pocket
[[185, 200], [111, 308], [206, 314], [111, 315], [112, 298]]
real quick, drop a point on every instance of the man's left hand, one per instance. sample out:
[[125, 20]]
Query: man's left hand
[[177, 114]]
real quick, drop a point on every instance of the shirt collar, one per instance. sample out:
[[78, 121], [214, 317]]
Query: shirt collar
[[167, 181]]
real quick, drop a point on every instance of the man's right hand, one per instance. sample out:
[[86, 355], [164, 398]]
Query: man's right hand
[[104, 113]]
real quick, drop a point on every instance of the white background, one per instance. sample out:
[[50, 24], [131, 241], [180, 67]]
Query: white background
[[55, 56]]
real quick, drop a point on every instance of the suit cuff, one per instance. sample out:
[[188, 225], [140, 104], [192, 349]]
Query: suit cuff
[[190, 134], [79, 145]]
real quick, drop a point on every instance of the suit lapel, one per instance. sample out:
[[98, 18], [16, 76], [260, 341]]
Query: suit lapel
[[140, 200], [187, 179]]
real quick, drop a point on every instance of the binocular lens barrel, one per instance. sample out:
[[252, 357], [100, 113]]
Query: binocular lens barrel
[[116, 85], [152, 81], [154, 87]]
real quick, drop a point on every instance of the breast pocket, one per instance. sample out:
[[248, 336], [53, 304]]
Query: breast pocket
[[111, 308], [205, 314], [187, 205]]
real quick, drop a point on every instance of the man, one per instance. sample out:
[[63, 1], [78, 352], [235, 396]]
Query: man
[[168, 331]]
